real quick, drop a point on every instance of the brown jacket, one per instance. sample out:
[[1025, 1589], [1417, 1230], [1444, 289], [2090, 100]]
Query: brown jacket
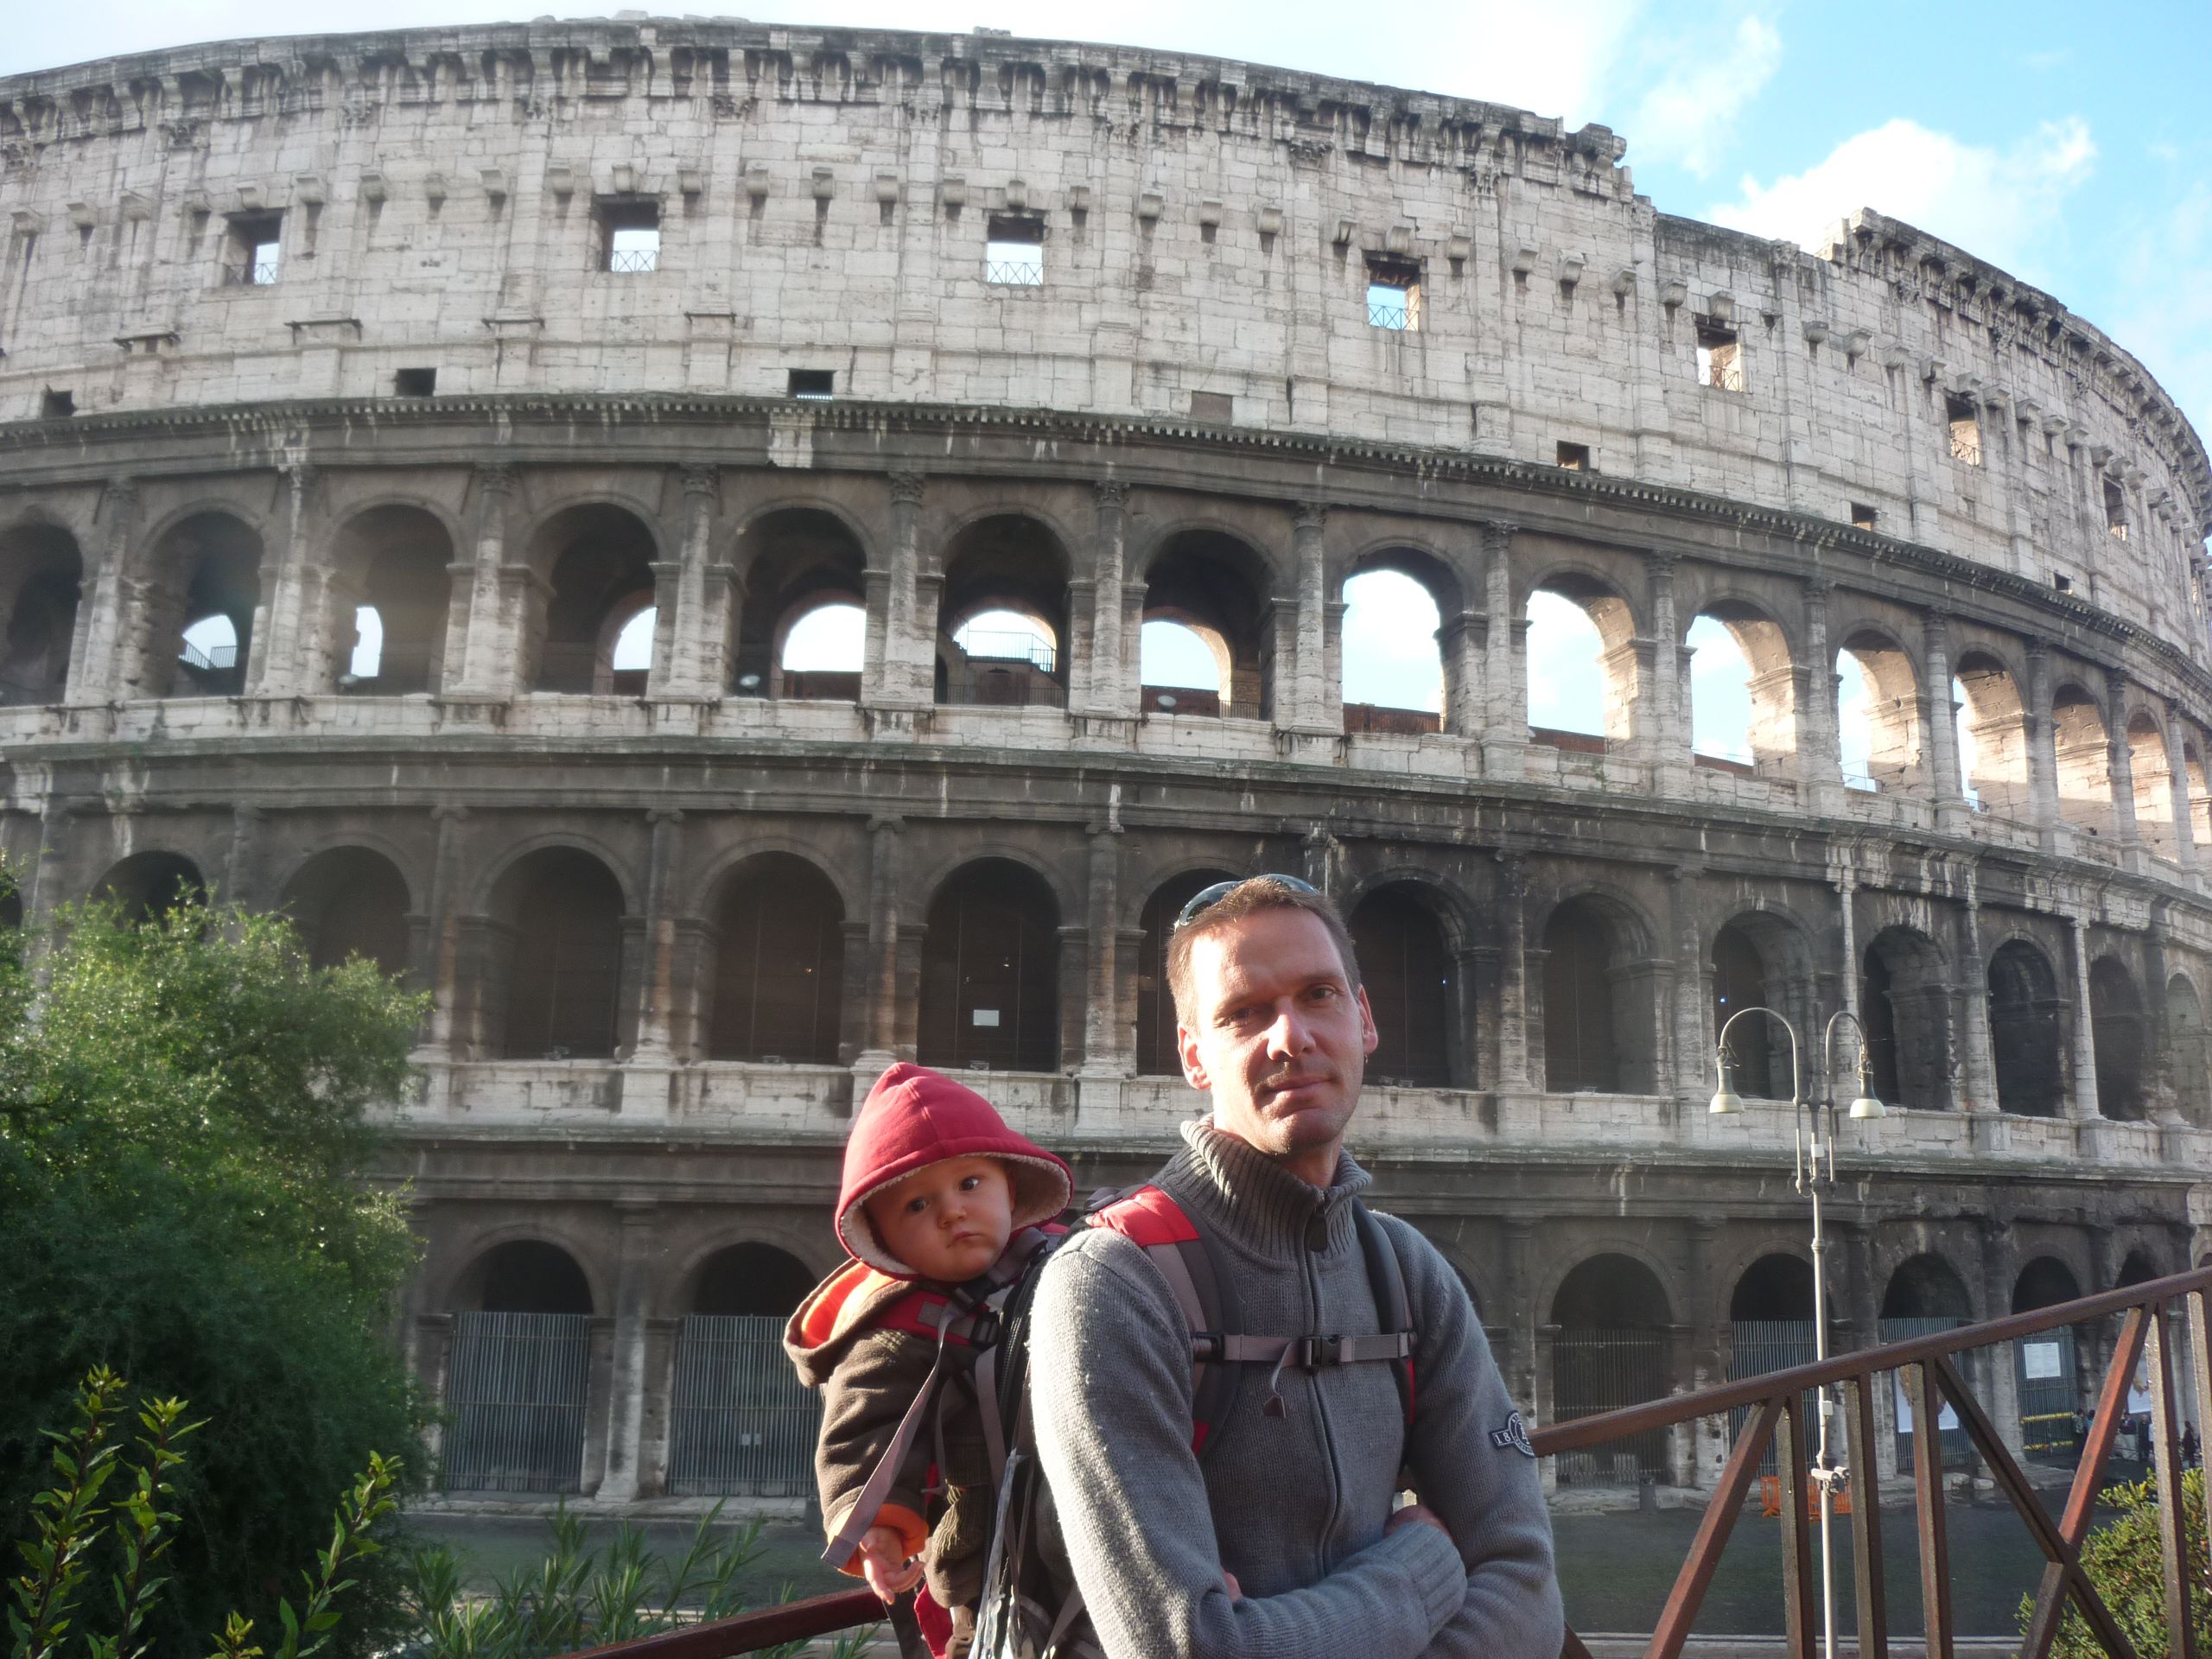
[[861, 1339]]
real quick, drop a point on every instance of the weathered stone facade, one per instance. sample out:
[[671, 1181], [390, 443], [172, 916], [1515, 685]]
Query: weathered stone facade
[[670, 919]]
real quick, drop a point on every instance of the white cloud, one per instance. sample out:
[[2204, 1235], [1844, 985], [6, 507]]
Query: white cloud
[[2162, 300], [2001, 204], [1690, 115]]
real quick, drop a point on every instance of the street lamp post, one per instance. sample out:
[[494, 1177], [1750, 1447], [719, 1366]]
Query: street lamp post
[[1816, 1169]]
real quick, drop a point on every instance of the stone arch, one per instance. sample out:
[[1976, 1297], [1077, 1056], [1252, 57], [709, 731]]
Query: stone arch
[[1410, 974], [595, 558], [390, 559], [42, 572], [206, 566], [1009, 561], [1776, 1286], [2200, 793], [2025, 1009], [1068, 894], [349, 901], [1598, 1034], [2189, 1051], [1217, 585], [554, 973], [2118, 1033], [1157, 1052], [2139, 1266], [2078, 734], [2046, 1281], [527, 1272], [1905, 1002], [779, 925], [1996, 771], [794, 560], [1768, 740], [990, 990], [747, 1278], [1608, 612], [850, 886], [1611, 1348], [1926, 1286], [147, 884], [1744, 976], [1415, 696], [2152, 772], [1895, 741]]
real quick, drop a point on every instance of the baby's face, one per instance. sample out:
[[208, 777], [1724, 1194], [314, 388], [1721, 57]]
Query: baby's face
[[947, 1221]]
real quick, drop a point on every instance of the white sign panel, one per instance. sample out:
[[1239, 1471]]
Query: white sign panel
[[2038, 1359], [985, 1016], [1949, 1418]]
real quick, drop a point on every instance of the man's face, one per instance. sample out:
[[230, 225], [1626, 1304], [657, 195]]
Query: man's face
[[947, 1221], [1277, 1035]]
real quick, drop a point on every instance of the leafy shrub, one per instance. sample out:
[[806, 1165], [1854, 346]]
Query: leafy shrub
[[2125, 1561]]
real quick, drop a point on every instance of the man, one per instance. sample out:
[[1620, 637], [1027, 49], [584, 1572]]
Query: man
[[1281, 1539]]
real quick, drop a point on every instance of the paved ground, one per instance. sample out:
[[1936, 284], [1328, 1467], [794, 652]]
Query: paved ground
[[1614, 1568]]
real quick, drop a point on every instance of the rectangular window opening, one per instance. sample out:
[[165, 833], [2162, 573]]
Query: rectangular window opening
[[1863, 516], [1966, 428], [821, 384], [2116, 509], [1719, 357], [415, 383], [57, 404], [629, 235], [2063, 584], [1576, 457], [1212, 406], [1013, 251], [1393, 294], [253, 250]]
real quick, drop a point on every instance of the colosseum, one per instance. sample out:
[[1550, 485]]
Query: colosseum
[[424, 451]]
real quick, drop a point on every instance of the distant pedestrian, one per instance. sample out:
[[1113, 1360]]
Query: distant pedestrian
[[2189, 1445]]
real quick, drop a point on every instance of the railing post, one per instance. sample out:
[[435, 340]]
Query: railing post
[[2165, 1452], [1928, 1499], [1867, 1523]]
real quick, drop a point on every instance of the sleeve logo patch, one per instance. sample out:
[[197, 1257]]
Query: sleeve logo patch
[[1513, 1437]]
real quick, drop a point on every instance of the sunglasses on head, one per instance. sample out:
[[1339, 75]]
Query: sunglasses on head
[[1205, 898]]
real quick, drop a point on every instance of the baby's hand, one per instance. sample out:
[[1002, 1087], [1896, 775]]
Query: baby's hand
[[884, 1563], [1235, 1590]]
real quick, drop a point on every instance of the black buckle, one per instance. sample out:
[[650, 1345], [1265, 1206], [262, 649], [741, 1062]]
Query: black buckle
[[985, 1327]]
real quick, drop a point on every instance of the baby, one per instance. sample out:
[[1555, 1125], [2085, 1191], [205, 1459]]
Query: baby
[[937, 1193]]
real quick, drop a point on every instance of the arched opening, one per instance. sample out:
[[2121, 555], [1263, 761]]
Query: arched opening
[[2023, 1022], [399, 556], [1581, 684], [2200, 794], [2116, 1032], [1774, 1288], [2046, 1364], [1611, 1351], [146, 887], [1157, 1055], [1391, 644], [803, 631], [206, 583], [1993, 735], [558, 919], [40, 571], [1204, 629], [1003, 616], [751, 1282], [1770, 1327], [2189, 1052], [1589, 1023], [991, 972], [1407, 969], [779, 973], [1878, 712], [1742, 690], [519, 1388], [2084, 761], [350, 902], [739, 1419], [599, 560], [1739, 981], [1924, 1295], [2153, 776], [1905, 1004], [2139, 1268]]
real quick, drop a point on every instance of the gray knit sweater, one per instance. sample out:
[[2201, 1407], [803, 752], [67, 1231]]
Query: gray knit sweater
[[1294, 1505]]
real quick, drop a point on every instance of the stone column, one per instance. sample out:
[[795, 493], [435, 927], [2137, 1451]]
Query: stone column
[[1708, 1350], [1661, 718], [2119, 769], [881, 991], [1460, 643], [691, 632], [97, 654], [2041, 736], [625, 1416], [1941, 723], [655, 990], [897, 672], [1109, 690], [47, 883], [1977, 1058], [1510, 1070], [2177, 781], [2001, 1381], [1311, 700], [2082, 1102], [1505, 653], [276, 668], [476, 661], [1105, 1040], [1520, 1314], [1692, 1041], [435, 970], [1820, 749], [242, 870]]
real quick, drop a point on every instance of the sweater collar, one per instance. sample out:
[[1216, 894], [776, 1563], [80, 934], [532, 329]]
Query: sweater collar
[[1248, 1196]]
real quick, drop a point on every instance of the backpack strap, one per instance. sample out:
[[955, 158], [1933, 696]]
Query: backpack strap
[[1156, 1224], [1387, 1276]]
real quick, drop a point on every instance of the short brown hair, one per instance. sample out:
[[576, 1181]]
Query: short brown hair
[[1247, 898]]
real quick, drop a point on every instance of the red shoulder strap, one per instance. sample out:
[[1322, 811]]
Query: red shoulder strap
[[1148, 1216]]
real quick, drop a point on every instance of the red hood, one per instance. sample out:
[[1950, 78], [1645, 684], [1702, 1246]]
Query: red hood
[[914, 1117]]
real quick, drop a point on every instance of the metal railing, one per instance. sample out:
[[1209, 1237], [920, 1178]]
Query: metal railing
[[1775, 1418], [1015, 273], [1388, 316], [253, 273], [212, 660], [631, 261], [1004, 645]]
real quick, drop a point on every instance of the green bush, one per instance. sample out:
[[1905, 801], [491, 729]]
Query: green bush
[[182, 1143], [2125, 1559]]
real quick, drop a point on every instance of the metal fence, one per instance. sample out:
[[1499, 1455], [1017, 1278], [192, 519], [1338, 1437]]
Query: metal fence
[[1958, 1447], [2050, 1397], [740, 1421], [1594, 1370], [519, 1388], [1762, 1345]]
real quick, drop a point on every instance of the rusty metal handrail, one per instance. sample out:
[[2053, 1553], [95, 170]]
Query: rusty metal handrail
[[1932, 1380]]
